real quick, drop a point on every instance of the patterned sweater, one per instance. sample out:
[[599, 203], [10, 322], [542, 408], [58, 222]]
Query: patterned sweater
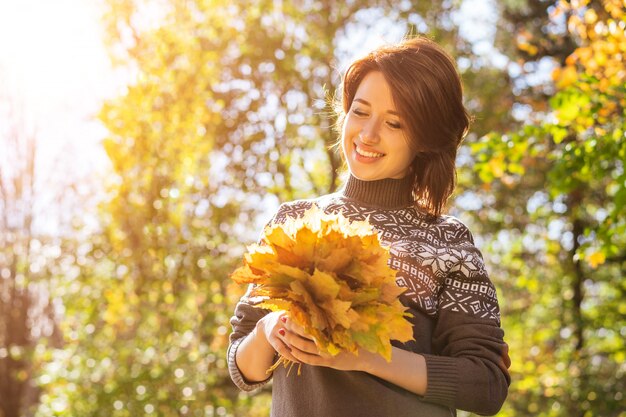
[[456, 319]]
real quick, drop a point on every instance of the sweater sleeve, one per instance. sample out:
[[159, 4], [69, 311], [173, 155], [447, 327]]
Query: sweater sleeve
[[469, 367], [243, 322]]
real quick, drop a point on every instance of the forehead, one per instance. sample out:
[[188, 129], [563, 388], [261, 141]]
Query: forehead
[[375, 89]]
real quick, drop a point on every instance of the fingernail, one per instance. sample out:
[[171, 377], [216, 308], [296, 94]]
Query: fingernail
[[281, 332], [283, 319]]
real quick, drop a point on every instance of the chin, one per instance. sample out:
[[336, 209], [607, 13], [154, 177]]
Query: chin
[[364, 176]]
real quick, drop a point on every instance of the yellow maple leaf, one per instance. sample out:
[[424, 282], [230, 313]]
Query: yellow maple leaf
[[245, 275], [339, 313], [306, 244], [336, 260], [288, 271], [323, 285]]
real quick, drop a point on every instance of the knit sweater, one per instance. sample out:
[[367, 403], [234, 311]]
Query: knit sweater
[[456, 318]]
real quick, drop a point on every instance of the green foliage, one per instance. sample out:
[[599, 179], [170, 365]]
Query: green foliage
[[558, 222]]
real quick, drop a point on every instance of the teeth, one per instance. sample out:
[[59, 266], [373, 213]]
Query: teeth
[[368, 154]]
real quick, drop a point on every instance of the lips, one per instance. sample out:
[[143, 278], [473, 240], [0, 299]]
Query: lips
[[368, 154]]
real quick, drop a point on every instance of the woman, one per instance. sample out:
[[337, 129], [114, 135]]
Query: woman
[[402, 121]]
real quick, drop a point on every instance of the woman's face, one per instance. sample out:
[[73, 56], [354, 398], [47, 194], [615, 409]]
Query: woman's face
[[374, 137]]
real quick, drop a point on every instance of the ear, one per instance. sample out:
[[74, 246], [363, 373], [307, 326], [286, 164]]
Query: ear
[[412, 165]]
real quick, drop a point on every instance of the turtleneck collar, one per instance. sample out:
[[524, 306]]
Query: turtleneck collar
[[386, 193]]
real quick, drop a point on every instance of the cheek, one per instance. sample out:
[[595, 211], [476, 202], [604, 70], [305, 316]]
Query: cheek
[[345, 127], [346, 143], [348, 133], [351, 124], [401, 144], [403, 148], [344, 135]]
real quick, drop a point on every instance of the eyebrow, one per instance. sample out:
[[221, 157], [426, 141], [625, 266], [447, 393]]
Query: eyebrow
[[367, 103]]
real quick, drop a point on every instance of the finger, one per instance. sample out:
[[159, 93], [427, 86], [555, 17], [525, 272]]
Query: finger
[[293, 327], [289, 339], [307, 358], [292, 339], [296, 341], [284, 350], [325, 355]]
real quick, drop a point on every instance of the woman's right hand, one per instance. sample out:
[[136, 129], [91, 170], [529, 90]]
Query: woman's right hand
[[271, 327]]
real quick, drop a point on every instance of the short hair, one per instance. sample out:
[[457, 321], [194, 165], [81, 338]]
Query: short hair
[[427, 92]]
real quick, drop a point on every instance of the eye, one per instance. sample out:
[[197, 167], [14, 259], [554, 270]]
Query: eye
[[359, 112], [394, 125]]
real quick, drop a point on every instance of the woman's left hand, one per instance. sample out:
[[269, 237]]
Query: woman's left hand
[[304, 349], [406, 369]]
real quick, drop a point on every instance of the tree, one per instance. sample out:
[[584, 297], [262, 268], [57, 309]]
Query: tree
[[28, 320], [553, 210]]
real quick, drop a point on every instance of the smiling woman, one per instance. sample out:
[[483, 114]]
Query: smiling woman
[[421, 95], [402, 121]]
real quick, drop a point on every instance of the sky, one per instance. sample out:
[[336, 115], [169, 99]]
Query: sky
[[54, 65], [55, 69]]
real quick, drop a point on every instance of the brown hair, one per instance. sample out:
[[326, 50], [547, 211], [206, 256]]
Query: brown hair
[[427, 92]]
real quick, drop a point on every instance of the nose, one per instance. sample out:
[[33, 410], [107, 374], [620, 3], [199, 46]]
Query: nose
[[369, 133]]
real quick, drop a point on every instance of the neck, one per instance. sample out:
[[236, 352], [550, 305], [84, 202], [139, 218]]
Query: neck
[[385, 193]]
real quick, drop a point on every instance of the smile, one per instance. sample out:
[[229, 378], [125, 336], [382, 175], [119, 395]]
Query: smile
[[367, 154]]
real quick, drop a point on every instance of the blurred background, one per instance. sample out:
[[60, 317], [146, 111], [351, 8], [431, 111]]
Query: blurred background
[[144, 144]]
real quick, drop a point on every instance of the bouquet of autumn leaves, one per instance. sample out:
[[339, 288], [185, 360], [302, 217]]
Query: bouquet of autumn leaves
[[332, 276]]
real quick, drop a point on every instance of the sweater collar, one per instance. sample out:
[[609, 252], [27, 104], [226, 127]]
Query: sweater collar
[[386, 193]]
